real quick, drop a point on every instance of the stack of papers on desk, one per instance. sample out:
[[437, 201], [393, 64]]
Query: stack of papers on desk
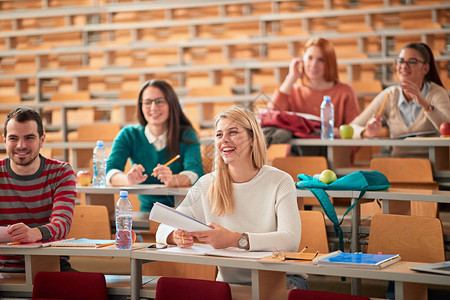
[[203, 249], [357, 260], [166, 215]]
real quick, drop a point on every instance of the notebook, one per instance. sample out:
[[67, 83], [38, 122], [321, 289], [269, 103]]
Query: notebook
[[438, 268], [83, 243], [357, 260]]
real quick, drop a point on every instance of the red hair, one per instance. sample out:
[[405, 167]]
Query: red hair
[[329, 57]]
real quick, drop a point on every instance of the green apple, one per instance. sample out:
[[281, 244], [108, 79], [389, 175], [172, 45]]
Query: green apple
[[346, 131], [327, 176]]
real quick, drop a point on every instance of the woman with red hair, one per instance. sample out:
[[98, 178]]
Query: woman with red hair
[[313, 76]]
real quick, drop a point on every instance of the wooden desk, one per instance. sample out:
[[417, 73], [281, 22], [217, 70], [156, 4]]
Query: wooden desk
[[434, 144], [141, 189], [47, 259], [276, 272]]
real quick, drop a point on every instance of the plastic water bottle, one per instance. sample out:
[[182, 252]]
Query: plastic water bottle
[[124, 222], [99, 159], [327, 119]]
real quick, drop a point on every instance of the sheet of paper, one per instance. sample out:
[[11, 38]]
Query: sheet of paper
[[4, 235], [239, 253], [166, 215], [197, 249]]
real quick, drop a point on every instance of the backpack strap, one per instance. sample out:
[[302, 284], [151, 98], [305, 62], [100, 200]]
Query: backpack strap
[[329, 210]]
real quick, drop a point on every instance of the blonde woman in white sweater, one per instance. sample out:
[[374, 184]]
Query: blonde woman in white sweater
[[249, 205], [419, 103]]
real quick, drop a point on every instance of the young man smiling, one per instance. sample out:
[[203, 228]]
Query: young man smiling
[[37, 194]]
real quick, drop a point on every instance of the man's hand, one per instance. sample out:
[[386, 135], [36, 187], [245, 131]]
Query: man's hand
[[24, 234]]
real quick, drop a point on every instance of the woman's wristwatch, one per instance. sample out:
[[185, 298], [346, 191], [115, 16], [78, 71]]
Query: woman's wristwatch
[[243, 241]]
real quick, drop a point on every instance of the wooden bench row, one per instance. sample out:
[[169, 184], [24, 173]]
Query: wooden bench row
[[84, 33]]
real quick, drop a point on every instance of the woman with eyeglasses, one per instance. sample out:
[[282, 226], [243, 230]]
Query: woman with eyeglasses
[[416, 106], [163, 133]]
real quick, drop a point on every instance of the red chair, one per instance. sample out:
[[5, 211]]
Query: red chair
[[69, 286], [169, 288], [319, 295]]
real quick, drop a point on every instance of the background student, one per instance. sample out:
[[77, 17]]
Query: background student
[[419, 103], [313, 76], [164, 132], [37, 194], [250, 205]]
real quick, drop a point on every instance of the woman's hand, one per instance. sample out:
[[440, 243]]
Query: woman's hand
[[182, 238], [296, 68], [412, 91], [163, 173], [219, 237], [136, 174], [373, 127]]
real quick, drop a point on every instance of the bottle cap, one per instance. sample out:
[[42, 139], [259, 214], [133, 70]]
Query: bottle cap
[[123, 194], [326, 98], [100, 143]]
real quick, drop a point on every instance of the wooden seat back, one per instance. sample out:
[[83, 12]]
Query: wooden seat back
[[314, 233], [309, 165], [211, 109], [90, 221], [412, 173], [277, 150], [415, 238]]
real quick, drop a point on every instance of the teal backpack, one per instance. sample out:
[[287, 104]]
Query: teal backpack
[[358, 181]]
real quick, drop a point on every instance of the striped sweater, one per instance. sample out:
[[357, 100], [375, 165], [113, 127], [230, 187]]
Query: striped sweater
[[44, 200]]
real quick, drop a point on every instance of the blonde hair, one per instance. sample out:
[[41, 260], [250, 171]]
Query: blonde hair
[[329, 57], [221, 190]]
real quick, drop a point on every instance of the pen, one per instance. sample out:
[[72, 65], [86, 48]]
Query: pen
[[14, 243], [382, 105], [315, 255], [169, 162], [303, 250], [182, 238], [104, 245]]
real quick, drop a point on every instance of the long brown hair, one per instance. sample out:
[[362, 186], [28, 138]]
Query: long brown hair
[[178, 123], [428, 58]]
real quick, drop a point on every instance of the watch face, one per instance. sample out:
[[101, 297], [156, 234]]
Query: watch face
[[243, 242]]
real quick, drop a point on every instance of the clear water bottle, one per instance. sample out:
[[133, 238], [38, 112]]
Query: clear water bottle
[[124, 222], [327, 119], [99, 159]]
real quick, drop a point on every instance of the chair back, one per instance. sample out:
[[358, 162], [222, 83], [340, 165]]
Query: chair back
[[97, 131], [70, 286], [321, 295], [403, 172], [277, 150], [90, 221], [309, 165], [415, 238], [314, 233], [170, 288]]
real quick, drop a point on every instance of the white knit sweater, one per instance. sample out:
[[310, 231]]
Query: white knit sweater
[[265, 208]]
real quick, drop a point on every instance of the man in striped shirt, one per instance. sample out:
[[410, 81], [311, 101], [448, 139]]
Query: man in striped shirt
[[37, 194]]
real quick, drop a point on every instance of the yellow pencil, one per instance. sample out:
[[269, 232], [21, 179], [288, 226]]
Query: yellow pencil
[[382, 105], [14, 243], [104, 245], [169, 162], [182, 238], [303, 250]]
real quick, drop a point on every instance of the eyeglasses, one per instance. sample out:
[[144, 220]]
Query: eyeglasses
[[410, 62], [158, 101]]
